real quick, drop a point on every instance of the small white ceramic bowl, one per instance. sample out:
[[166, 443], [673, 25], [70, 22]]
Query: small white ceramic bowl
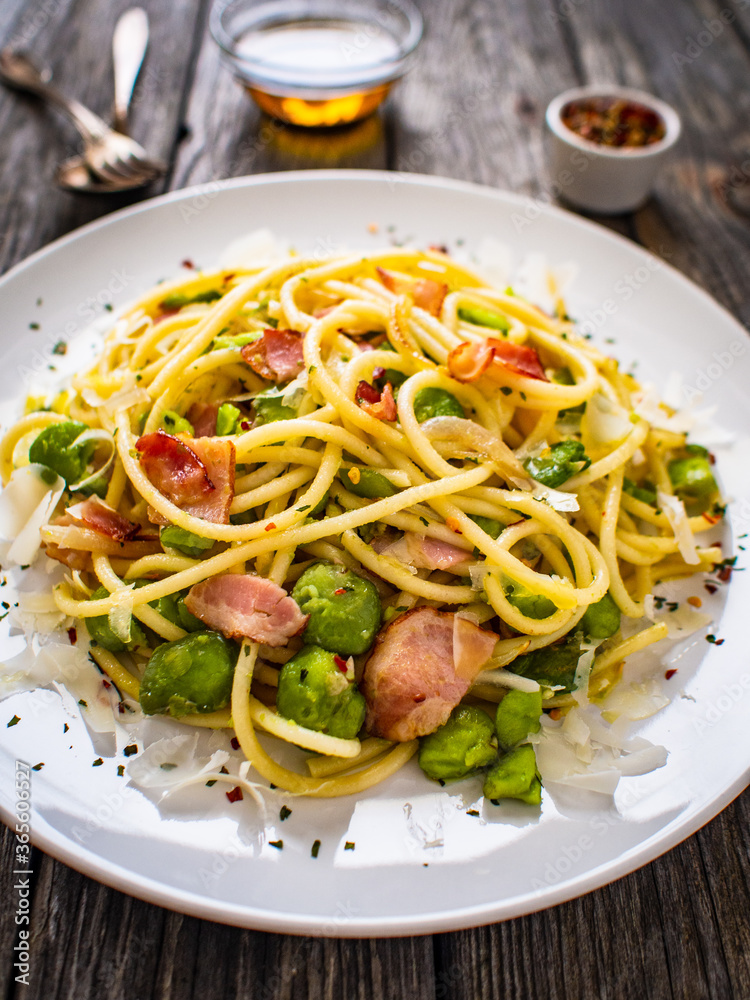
[[599, 178]]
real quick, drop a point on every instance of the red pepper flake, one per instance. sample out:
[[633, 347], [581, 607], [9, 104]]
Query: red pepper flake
[[725, 574], [714, 641], [711, 587], [72, 636], [613, 121], [378, 372], [235, 795], [106, 684], [339, 591], [228, 277], [235, 743], [245, 425], [271, 527], [670, 673], [188, 264], [341, 664]]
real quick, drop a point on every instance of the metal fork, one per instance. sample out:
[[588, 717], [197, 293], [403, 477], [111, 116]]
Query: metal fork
[[115, 158]]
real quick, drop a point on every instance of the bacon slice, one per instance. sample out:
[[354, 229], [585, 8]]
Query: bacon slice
[[418, 672], [277, 355], [203, 418], [98, 516], [378, 404], [469, 360], [247, 606], [197, 475], [423, 552], [425, 293]]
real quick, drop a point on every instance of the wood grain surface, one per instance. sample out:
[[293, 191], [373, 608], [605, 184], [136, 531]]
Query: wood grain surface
[[472, 108]]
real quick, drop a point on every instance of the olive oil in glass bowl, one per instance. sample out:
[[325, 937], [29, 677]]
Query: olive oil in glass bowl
[[317, 63]]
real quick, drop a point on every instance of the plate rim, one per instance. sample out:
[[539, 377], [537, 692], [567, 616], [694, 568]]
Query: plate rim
[[194, 904]]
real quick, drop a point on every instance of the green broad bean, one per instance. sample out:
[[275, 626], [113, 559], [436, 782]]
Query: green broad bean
[[101, 631], [517, 716], [645, 492], [371, 484], [235, 340], [515, 776], [227, 419], [173, 537], [178, 299], [344, 609], [190, 675], [550, 665], [314, 692], [483, 317], [558, 464], [433, 402], [532, 605], [488, 525], [173, 423], [691, 477], [54, 448], [601, 620], [269, 408], [460, 746]]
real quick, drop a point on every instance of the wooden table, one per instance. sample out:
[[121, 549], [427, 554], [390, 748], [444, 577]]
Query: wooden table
[[473, 109]]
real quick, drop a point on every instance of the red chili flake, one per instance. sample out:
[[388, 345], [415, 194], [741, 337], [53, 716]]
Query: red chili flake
[[228, 277], [245, 425], [106, 684], [271, 527], [341, 664], [670, 673], [188, 264], [437, 248], [725, 574], [378, 372], [235, 743], [711, 458], [235, 795], [711, 587], [72, 636], [367, 393], [339, 591]]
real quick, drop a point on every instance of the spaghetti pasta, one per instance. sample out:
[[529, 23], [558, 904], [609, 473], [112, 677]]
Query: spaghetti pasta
[[471, 461]]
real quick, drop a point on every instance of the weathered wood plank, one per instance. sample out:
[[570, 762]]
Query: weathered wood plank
[[74, 39]]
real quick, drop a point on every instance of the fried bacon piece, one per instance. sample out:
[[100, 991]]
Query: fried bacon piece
[[378, 404], [424, 293], [422, 665], [276, 356], [251, 606], [470, 360], [196, 474]]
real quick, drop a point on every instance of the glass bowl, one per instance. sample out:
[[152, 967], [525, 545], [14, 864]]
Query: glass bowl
[[317, 62]]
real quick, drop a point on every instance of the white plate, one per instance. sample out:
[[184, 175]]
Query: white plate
[[195, 853]]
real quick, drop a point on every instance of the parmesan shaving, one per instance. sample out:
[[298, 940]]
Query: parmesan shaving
[[28, 490], [674, 510]]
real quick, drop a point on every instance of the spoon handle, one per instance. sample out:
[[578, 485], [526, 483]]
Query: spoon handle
[[17, 70], [129, 44]]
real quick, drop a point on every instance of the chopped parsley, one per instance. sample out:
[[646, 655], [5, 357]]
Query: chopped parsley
[[278, 844], [13, 722], [130, 750], [315, 849], [284, 813], [98, 762]]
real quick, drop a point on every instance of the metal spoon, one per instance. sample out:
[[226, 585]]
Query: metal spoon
[[129, 44], [113, 158]]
